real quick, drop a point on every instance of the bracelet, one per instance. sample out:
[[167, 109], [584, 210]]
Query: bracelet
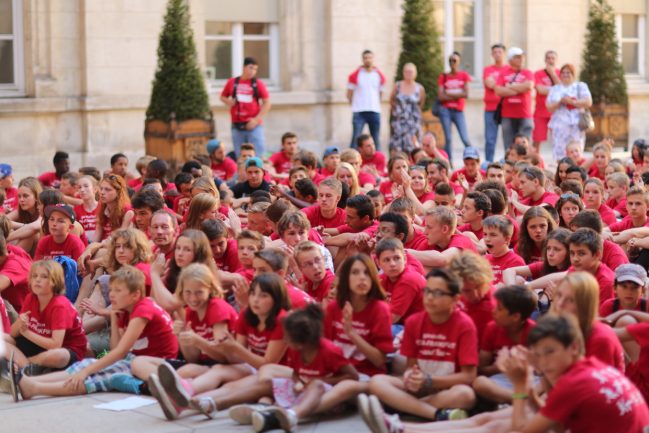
[[428, 384], [520, 396]]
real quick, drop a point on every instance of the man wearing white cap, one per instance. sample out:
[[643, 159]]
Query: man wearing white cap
[[515, 85]]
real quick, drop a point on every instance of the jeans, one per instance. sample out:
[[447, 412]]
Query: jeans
[[373, 121], [254, 136], [448, 116], [512, 127], [491, 136]]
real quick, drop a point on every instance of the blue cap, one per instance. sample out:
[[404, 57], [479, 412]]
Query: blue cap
[[255, 161], [212, 145], [331, 150], [471, 152], [5, 170]]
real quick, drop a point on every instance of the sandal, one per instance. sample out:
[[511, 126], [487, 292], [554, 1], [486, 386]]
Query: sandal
[[15, 375]]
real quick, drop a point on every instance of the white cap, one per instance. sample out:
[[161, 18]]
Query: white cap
[[514, 51]]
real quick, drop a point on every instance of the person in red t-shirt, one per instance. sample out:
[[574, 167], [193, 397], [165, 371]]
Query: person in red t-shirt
[[475, 208], [453, 91], [532, 187], [282, 161], [497, 235], [86, 212], [514, 85], [249, 102], [274, 260], [630, 281], [617, 185], [402, 284], [596, 166], [544, 79], [114, 210], [223, 167], [509, 328], [359, 229], [636, 222], [585, 396], [489, 78], [318, 279], [48, 332], [59, 241], [594, 199], [613, 255], [397, 165], [366, 180], [413, 239], [441, 347], [145, 203], [373, 160], [162, 232], [326, 213], [139, 327], [52, 179], [331, 159], [7, 185]]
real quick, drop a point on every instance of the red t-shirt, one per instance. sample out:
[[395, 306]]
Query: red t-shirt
[[413, 264], [320, 291], [613, 255], [547, 197], [218, 311], [441, 349], [364, 178], [246, 106], [454, 83], [257, 340], [619, 206], [591, 397], [607, 214], [157, 338], [605, 278], [638, 371], [495, 337], [467, 228], [418, 242], [108, 229], [316, 219], [593, 171], [281, 162], [458, 241], [247, 273], [542, 79], [16, 267], [4, 317], [47, 248], [427, 196], [370, 230], [11, 199], [229, 261], [135, 184], [604, 345], [607, 307], [490, 98], [498, 264], [372, 323], [536, 254], [298, 297], [58, 314], [480, 312], [87, 219], [471, 179], [313, 235], [377, 161], [536, 269], [328, 361], [405, 293], [386, 189], [625, 224], [516, 232], [50, 180], [226, 169], [517, 106]]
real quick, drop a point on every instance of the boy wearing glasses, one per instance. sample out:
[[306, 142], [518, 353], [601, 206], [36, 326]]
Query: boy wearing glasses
[[318, 279], [440, 344]]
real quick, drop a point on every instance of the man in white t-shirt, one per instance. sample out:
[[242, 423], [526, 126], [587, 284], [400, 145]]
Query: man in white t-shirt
[[364, 88]]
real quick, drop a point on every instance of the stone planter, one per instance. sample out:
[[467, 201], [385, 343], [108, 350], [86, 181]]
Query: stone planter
[[611, 120], [432, 124]]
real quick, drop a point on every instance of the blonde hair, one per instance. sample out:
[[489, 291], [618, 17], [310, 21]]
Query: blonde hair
[[200, 204], [354, 189], [132, 278], [135, 240], [350, 154], [474, 268], [585, 290], [54, 272], [201, 273], [206, 185], [304, 247], [142, 163], [603, 147]]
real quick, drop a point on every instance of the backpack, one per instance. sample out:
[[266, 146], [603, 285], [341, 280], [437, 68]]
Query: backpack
[[69, 276], [253, 84], [643, 304]]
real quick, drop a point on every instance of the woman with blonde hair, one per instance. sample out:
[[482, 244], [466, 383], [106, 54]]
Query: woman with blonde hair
[[406, 101], [346, 174]]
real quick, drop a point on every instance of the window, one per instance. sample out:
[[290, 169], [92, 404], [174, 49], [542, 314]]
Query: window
[[11, 47], [227, 44], [459, 23], [630, 34]]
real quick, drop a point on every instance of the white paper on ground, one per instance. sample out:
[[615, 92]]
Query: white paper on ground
[[129, 403]]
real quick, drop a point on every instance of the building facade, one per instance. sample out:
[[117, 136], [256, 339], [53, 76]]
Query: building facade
[[75, 75]]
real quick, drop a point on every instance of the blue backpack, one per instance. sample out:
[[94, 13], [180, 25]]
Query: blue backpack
[[70, 277]]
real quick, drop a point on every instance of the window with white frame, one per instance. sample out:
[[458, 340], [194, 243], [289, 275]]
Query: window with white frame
[[631, 36], [11, 47], [459, 23], [227, 44]]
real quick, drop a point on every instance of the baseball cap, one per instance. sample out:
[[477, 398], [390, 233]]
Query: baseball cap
[[212, 145], [5, 170], [515, 51], [638, 142], [471, 152], [631, 272], [63, 208], [331, 150], [255, 161]]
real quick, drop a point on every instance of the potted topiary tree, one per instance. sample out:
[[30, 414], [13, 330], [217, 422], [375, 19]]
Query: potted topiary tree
[[420, 45], [604, 74], [178, 120]]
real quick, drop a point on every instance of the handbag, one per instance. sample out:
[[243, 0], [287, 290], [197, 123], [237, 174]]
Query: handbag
[[586, 122], [498, 114], [437, 104]]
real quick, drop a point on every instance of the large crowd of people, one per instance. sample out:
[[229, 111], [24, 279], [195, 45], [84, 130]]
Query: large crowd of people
[[492, 297]]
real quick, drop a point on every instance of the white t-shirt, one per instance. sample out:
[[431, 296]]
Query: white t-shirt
[[367, 91]]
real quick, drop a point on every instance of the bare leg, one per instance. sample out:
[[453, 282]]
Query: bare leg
[[310, 399], [30, 387], [456, 397], [487, 388], [19, 357], [218, 375], [391, 391], [340, 393], [466, 425], [143, 366], [55, 358], [191, 371], [86, 287]]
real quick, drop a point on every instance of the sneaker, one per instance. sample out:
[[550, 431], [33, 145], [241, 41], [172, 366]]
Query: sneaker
[[363, 404], [172, 384], [204, 405], [170, 410], [242, 413], [285, 419], [380, 422], [450, 414], [125, 383], [264, 421]]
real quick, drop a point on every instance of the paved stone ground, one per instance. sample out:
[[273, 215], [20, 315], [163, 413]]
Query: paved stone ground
[[77, 415]]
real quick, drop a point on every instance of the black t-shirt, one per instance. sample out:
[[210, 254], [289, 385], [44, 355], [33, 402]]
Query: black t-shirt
[[243, 189]]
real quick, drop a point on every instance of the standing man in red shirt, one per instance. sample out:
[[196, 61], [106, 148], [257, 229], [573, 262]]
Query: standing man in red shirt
[[453, 91], [364, 89], [243, 95], [515, 85], [544, 79], [489, 77]]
